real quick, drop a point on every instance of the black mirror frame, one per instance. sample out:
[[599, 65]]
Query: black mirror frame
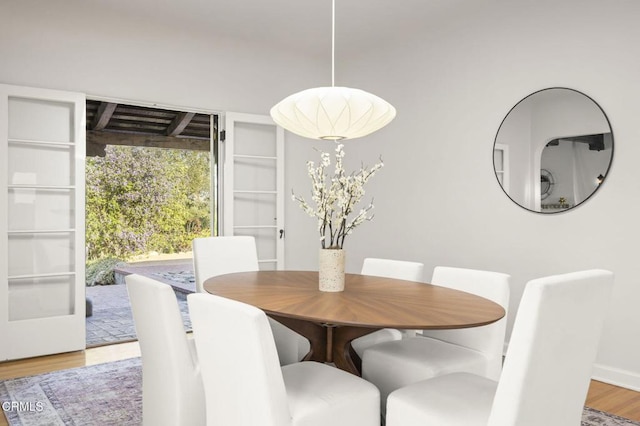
[[608, 167]]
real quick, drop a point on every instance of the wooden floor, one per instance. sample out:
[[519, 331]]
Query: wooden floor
[[615, 400], [619, 401]]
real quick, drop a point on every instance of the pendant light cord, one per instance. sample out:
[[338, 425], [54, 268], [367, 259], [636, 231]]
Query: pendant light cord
[[333, 43]]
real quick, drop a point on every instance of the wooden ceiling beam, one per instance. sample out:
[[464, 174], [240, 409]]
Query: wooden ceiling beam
[[103, 115], [179, 123], [152, 141], [95, 150]]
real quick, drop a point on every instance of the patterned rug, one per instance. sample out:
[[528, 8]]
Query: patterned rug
[[111, 394], [104, 394]]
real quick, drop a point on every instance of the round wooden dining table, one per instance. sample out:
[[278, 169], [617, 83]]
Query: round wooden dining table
[[332, 320]]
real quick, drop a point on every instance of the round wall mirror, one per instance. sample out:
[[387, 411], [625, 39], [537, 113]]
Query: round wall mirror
[[553, 150]]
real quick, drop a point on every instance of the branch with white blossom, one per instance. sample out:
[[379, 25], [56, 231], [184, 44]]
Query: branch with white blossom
[[336, 198]]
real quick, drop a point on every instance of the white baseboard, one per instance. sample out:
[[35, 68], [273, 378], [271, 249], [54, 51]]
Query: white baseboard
[[611, 375], [616, 376]]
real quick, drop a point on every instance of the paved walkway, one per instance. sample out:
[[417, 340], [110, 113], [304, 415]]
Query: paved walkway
[[177, 273], [112, 321]]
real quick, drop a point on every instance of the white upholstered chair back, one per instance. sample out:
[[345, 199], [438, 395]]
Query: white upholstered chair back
[[245, 386], [213, 256], [488, 339], [388, 268], [242, 376], [552, 350], [172, 391], [398, 269], [547, 368]]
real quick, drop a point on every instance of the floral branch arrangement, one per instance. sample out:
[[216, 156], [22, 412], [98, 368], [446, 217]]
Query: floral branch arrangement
[[336, 197]]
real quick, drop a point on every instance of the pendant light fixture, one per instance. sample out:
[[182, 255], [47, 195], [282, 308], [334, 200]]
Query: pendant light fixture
[[333, 113]]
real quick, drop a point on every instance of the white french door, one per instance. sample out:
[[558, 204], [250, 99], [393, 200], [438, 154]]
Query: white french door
[[42, 204], [253, 184]]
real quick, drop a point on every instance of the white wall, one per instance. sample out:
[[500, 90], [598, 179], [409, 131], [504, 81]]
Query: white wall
[[73, 45], [437, 200]]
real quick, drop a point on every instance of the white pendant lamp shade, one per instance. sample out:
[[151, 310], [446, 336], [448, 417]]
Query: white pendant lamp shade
[[333, 113]]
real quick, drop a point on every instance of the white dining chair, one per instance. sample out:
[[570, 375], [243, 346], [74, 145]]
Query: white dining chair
[[547, 368], [478, 350], [172, 391], [213, 256], [245, 386], [388, 268]]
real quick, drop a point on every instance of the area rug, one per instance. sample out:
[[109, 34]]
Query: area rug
[[104, 394], [111, 394]]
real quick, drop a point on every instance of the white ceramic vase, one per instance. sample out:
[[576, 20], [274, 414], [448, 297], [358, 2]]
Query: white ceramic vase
[[331, 270]]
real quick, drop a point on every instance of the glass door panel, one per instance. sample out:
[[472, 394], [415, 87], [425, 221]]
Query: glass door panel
[[41, 297], [42, 165], [32, 119], [266, 245], [35, 254], [255, 139], [254, 174], [258, 210], [40, 209]]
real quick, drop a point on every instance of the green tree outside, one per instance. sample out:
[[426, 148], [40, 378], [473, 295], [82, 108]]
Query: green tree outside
[[140, 200]]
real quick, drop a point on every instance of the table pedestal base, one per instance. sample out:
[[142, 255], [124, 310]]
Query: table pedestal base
[[329, 343]]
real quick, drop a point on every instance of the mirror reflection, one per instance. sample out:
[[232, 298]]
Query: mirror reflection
[[553, 150]]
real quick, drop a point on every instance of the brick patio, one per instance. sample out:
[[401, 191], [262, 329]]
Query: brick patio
[[112, 321]]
